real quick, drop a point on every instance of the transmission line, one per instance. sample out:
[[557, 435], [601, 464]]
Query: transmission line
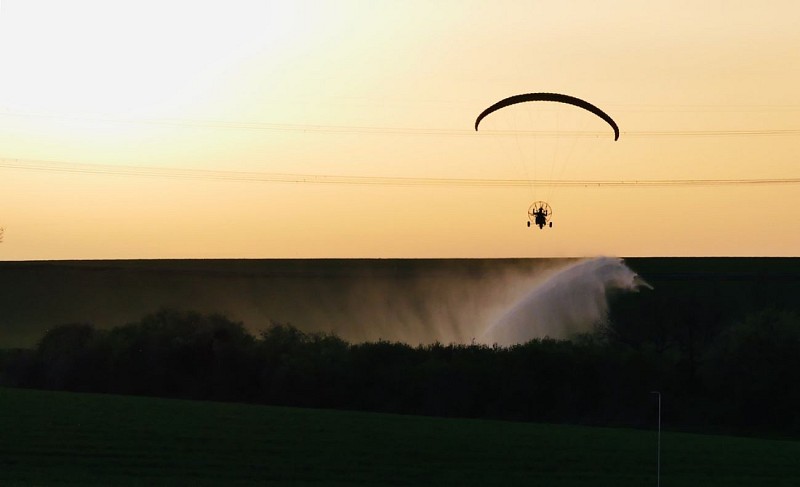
[[360, 129], [267, 177]]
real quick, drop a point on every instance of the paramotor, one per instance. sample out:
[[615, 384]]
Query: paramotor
[[539, 212]]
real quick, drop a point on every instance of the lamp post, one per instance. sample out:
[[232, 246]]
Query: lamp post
[[658, 451]]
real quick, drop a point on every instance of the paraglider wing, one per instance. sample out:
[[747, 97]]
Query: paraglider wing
[[556, 97]]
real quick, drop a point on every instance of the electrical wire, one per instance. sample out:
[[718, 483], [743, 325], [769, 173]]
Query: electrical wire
[[359, 129], [266, 177]]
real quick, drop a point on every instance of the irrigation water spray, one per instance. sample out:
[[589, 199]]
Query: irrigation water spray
[[570, 300]]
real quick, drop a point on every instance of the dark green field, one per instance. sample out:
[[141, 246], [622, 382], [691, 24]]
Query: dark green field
[[57, 438], [358, 299], [681, 326]]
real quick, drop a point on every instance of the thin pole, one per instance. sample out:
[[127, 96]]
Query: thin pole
[[658, 451]]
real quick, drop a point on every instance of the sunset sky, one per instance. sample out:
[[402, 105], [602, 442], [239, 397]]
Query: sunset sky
[[172, 129]]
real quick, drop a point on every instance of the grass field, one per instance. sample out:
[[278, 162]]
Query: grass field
[[359, 299], [57, 438]]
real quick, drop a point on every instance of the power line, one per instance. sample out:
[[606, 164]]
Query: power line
[[360, 129], [265, 177]]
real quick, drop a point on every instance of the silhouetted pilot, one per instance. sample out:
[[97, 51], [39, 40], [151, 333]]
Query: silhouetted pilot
[[541, 218]]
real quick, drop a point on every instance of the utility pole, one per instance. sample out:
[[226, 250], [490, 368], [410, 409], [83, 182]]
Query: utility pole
[[658, 451]]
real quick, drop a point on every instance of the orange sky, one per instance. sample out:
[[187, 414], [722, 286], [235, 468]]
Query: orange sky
[[155, 129]]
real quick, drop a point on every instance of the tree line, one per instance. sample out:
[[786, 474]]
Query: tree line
[[742, 377]]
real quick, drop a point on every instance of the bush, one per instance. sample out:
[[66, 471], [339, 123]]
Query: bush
[[753, 370], [748, 378]]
